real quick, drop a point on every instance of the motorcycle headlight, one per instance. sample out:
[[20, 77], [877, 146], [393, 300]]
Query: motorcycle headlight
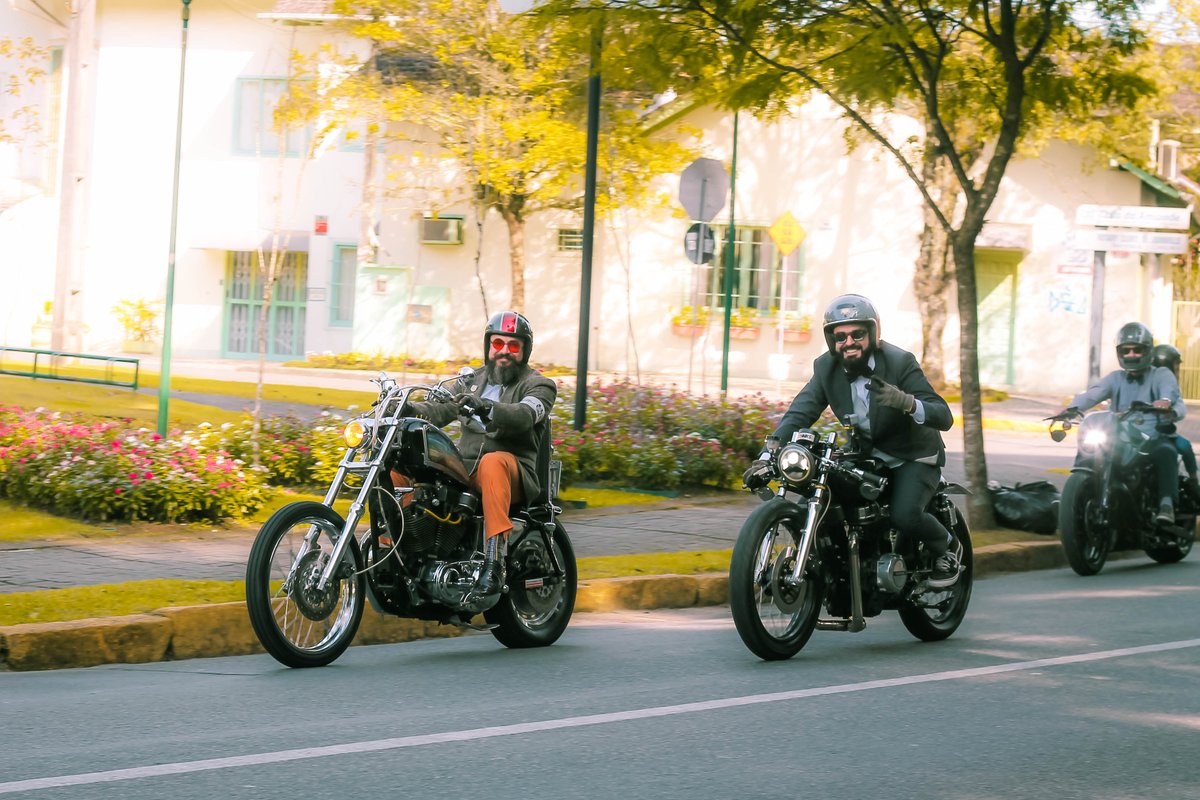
[[354, 433], [795, 463], [1093, 439]]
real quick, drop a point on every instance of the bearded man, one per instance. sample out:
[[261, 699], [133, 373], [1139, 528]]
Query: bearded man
[[881, 391], [503, 406]]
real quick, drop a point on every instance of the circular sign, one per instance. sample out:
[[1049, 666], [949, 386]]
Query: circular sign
[[699, 243]]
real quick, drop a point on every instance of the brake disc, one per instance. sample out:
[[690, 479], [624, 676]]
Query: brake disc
[[315, 604], [787, 595]]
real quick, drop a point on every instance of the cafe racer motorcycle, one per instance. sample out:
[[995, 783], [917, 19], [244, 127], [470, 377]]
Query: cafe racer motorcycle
[[824, 539], [311, 571]]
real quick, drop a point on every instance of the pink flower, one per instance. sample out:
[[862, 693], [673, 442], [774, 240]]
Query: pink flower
[[149, 475], [117, 490]]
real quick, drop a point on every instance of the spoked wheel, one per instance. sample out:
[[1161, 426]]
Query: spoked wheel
[[537, 608], [774, 617], [1084, 541], [936, 614], [299, 624]]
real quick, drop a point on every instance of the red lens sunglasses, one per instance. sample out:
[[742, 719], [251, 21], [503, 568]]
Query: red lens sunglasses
[[513, 347]]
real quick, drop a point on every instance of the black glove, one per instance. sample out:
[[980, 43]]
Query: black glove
[[887, 395], [758, 474], [470, 405]]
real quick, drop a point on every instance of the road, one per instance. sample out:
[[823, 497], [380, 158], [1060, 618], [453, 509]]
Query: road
[[1055, 687]]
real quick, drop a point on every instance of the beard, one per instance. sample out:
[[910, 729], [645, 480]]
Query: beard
[[503, 374], [856, 365]]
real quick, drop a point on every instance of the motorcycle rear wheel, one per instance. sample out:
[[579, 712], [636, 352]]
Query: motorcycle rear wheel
[[297, 624], [535, 616], [933, 623], [1086, 547], [774, 620]]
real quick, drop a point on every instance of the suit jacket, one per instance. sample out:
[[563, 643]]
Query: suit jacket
[[892, 431], [517, 423]]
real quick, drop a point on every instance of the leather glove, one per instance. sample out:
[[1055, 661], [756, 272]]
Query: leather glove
[[758, 474], [419, 410], [471, 405], [887, 395]]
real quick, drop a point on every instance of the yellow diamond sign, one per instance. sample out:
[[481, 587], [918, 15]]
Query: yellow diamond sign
[[787, 233]]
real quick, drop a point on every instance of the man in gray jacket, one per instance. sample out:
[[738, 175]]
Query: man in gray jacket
[[504, 406], [1139, 380]]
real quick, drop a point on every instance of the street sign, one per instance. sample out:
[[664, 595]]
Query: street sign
[[697, 253], [703, 187], [787, 233], [1134, 217], [1131, 241]]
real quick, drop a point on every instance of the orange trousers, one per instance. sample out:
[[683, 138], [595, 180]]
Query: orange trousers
[[498, 478]]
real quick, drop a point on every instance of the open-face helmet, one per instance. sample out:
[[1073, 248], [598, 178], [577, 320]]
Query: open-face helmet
[[850, 308], [1168, 356], [1135, 345], [509, 323]]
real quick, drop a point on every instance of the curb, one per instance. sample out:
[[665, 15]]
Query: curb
[[223, 629]]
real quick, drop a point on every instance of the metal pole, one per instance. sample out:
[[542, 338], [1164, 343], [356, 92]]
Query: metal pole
[[164, 378], [1097, 320], [729, 263], [589, 227]]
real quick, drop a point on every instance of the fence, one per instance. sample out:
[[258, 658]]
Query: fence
[[1186, 330], [61, 366]]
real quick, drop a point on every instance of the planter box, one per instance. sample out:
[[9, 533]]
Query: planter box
[[698, 330], [796, 336]]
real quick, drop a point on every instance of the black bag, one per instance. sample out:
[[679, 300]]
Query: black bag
[[1029, 507]]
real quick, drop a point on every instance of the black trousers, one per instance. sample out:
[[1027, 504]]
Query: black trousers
[[1165, 458], [913, 485]]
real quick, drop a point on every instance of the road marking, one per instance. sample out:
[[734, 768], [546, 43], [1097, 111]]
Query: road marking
[[399, 743]]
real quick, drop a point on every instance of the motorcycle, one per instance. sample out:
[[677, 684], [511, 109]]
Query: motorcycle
[[310, 573], [1110, 499], [833, 546]]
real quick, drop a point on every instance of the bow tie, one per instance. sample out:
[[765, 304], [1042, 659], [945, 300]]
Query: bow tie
[[1132, 378], [860, 371]]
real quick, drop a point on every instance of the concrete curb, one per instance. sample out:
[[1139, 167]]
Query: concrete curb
[[223, 629]]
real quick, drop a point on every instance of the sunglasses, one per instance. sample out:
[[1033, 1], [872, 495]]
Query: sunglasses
[[513, 346], [1131, 350], [856, 335]]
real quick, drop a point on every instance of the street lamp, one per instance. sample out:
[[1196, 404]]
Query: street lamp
[[164, 378]]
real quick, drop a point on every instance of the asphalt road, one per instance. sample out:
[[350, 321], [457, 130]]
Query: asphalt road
[[1055, 687]]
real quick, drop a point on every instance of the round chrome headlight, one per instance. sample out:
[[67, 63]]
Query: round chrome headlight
[[795, 463], [354, 433]]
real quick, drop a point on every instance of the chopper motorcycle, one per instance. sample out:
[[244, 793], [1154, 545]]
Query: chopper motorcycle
[[311, 571], [823, 539], [1110, 499]]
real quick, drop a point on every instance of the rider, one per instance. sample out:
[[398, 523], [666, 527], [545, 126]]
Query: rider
[[1167, 356], [1139, 380], [879, 389], [503, 405]]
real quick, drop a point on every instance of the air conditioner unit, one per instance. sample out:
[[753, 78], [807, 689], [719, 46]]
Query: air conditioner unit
[[442, 230], [1168, 159]]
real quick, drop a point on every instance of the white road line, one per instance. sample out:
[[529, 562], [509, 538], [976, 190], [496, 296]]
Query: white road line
[[184, 767]]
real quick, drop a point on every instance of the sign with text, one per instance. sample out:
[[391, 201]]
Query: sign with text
[[787, 233], [1134, 217], [1132, 241]]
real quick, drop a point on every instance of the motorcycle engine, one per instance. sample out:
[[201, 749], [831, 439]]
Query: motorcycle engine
[[431, 525], [891, 573]]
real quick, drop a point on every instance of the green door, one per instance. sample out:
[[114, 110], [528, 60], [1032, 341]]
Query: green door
[[996, 288], [244, 282]]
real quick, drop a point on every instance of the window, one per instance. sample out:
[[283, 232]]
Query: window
[[762, 279], [256, 132], [345, 273], [442, 230], [570, 239]]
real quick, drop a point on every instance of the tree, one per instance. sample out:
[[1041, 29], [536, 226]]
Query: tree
[[484, 107], [981, 75]]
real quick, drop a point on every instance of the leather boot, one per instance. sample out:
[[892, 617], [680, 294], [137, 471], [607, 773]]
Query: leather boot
[[491, 577]]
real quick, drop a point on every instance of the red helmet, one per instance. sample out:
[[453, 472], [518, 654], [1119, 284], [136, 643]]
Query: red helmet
[[509, 323]]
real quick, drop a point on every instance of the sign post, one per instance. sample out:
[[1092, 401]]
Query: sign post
[[703, 187]]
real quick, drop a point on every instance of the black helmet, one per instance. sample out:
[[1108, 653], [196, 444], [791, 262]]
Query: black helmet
[[509, 323], [1165, 355], [1135, 333], [851, 308]]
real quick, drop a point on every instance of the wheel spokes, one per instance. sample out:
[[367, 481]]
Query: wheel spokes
[[309, 619]]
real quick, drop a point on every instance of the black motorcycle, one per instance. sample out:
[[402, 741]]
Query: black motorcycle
[[310, 571], [1111, 497], [833, 546]]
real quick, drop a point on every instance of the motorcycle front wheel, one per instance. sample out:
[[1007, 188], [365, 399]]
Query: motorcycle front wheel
[[774, 617], [299, 624], [938, 613], [535, 612], [1085, 544]]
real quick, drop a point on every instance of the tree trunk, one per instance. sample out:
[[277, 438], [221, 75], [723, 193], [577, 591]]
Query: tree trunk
[[979, 503], [516, 249], [933, 275]]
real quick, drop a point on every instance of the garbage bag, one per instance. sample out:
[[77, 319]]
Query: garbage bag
[[1029, 507]]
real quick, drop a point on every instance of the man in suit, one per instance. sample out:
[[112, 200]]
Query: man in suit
[[503, 406], [880, 390]]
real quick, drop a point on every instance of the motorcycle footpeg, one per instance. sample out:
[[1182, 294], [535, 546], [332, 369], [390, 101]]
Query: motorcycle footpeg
[[487, 626]]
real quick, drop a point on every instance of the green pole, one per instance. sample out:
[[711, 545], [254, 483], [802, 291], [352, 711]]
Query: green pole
[[729, 263], [164, 378]]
